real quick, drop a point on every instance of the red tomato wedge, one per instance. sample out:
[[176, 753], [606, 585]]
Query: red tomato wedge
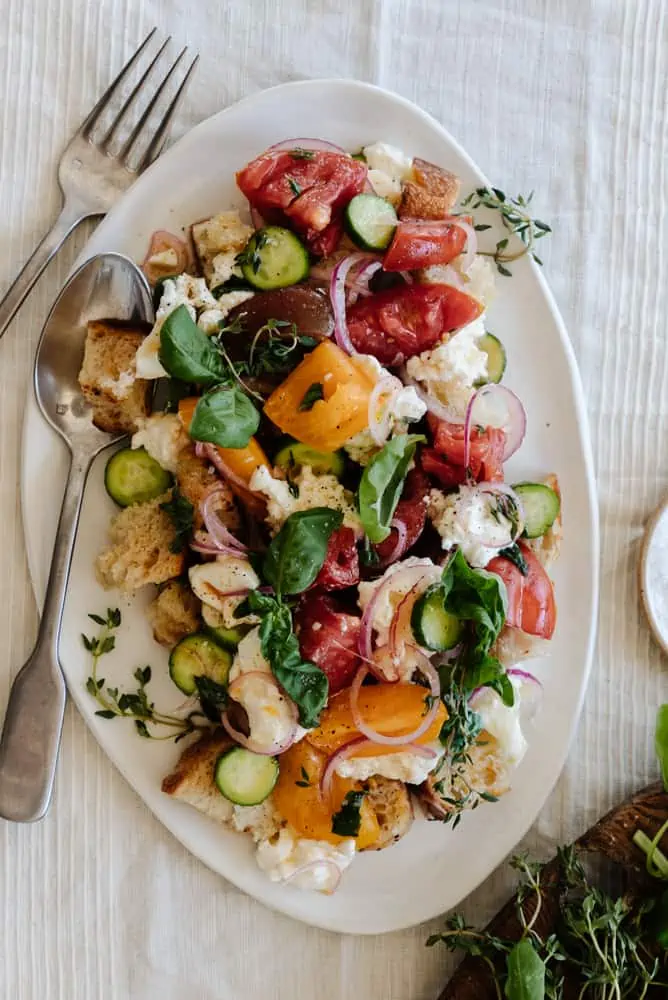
[[304, 190], [446, 460], [417, 243], [341, 567], [329, 637], [531, 604], [401, 322]]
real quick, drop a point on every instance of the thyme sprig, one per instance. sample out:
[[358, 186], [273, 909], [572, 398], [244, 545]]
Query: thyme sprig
[[516, 218], [133, 705]]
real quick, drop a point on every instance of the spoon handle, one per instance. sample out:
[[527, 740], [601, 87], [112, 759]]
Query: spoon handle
[[34, 718]]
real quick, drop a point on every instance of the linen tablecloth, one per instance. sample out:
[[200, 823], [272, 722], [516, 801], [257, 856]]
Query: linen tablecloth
[[568, 97]]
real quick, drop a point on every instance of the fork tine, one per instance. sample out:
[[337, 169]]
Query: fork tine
[[130, 100], [92, 118], [137, 130], [158, 141]]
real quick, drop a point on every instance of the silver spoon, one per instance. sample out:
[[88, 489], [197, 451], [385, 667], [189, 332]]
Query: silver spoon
[[105, 287]]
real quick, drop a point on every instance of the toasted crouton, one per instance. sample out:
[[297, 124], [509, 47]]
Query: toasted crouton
[[217, 242], [140, 550], [195, 479], [547, 547], [431, 194], [391, 802], [174, 613], [192, 781], [108, 375]]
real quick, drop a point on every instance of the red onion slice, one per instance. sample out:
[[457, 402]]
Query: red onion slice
[[494, 405], [210, 452], [162, 240], [359, 284], [322, 145], [328, 862], [402, 578], [435, 406], [380, 411], [531, 692], [337, 293], [352, 749], [401, 632], [218, 533], [398, 550], [392, 741]]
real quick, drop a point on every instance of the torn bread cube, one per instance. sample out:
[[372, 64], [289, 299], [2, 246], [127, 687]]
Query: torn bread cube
[[174, 614], [141, 548], [431, 194], [196, 478], [217, 242], [192, 780], [108, 376], [391, 802]]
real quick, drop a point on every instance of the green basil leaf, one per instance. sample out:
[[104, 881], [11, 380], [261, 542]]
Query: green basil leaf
[[348, 820], [296, 554], [514, 554], [526, 973], [382, 482], [212, 696], [301, 680], [661, 742], [187, 353], [313, 395], [181, 512], [226, 417]]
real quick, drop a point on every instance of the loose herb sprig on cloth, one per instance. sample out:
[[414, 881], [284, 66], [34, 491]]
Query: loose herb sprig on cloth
[[133, 705], [600, 940], [515, 217]]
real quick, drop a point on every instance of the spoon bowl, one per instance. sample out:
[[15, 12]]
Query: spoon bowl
[[106, 286]]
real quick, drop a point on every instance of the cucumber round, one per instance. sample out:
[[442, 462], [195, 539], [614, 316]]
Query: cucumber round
[[541, 506], [370, 221], [132, 476], [245, 778], [274, 258], [433, 626], [198, 655], [294, 455], [496, 358], [228, 638]]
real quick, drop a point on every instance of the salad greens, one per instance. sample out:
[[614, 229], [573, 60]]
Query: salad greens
[[296, 554], [225, 416], [382, 482], [187, 353], [181, 512], [347, 821]]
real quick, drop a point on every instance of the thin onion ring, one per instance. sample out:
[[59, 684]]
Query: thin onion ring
[[337, 294], [280, 746], [398, 550], [220, 535], [435, 688], [380, 428]]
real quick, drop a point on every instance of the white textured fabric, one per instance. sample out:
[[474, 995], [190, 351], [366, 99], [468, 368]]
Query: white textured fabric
[[98, 902]]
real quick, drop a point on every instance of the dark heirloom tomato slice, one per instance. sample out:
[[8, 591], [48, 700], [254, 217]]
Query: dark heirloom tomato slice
[[341, 567], [397, 324], [306, 191], [417, 243], [328, 637], [446, 460], [531, 604], [412, 512]]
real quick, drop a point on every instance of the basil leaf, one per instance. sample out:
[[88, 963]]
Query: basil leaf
[[313, 394], [296, 554], [526, 973], [514, 555], [187, 353], [301, 680], [347, 821], [382, 482], [212, 696], [181, 512], [226, 417], [661, 742]]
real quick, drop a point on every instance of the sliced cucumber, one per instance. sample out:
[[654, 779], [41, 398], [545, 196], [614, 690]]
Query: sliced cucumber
[[229, 638], [541, 506], [295, 455], [274, 258], [433, 626], [496, 358], [132, 476], [245, 778], [370, 221], [198, 655]]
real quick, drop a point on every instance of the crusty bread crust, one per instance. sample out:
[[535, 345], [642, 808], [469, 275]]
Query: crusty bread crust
[[107, 377], [140, 551], [391, 802], [174, 613], [431, 195]]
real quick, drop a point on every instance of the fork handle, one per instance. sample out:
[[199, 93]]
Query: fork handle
[[70, 216], [34, 718]]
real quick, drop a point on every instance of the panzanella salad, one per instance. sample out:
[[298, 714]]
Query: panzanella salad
[[344, 578]]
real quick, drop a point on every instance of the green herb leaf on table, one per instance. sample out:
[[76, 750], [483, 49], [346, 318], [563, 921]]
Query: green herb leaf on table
[[382, 482], [526, 973], [226, 417], [347, 821], [296, 554], [181, 511], [313, 395], [187, 353]]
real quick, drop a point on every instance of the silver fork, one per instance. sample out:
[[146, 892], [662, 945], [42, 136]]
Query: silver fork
[[91, 177]]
